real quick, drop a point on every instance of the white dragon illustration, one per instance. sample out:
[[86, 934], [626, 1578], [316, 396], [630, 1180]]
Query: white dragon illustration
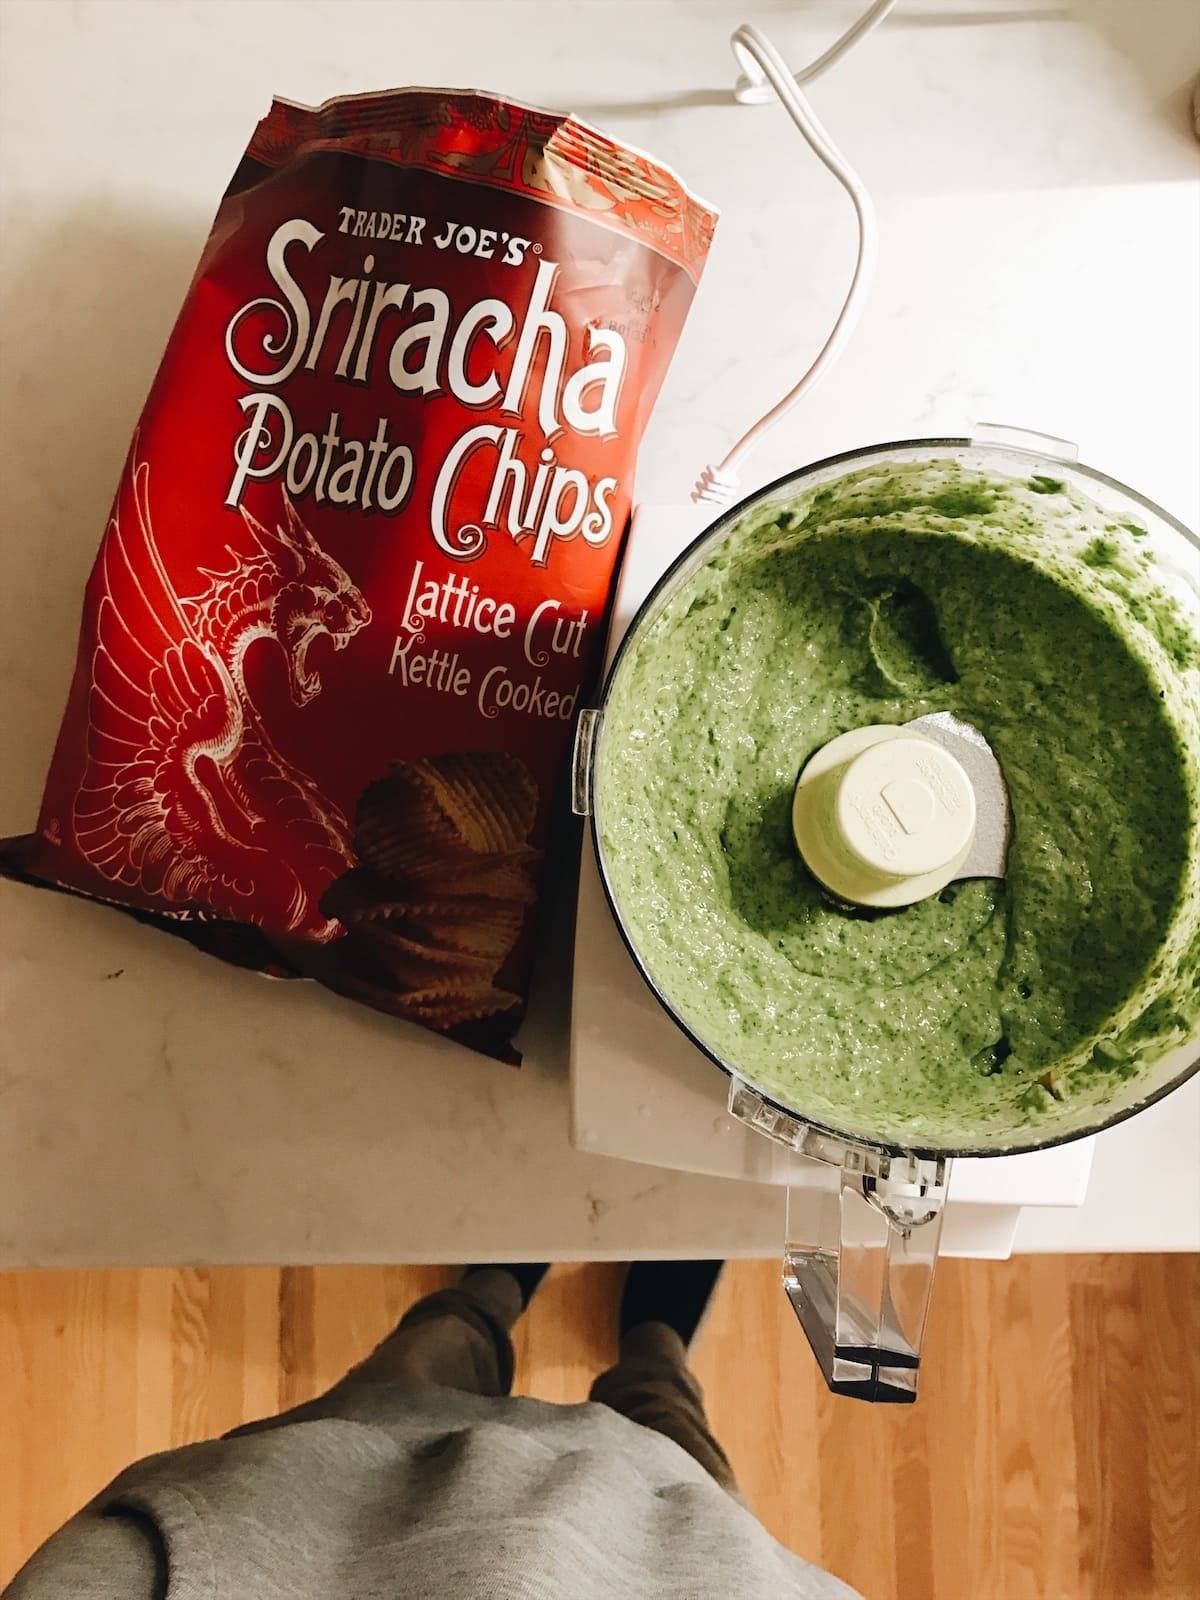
[[184, 798]]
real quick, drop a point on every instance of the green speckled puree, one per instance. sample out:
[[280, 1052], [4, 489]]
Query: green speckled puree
[[978, 1017]]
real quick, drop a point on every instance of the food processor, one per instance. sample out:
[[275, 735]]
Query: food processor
[[861, 1290], [883, 817]]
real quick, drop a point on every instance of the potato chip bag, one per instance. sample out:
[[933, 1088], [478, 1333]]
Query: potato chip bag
[[359, 561]]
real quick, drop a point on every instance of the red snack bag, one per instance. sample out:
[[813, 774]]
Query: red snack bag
[[360, 556]]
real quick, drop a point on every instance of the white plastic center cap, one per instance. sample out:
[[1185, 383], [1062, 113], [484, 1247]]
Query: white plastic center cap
[[883, 816]]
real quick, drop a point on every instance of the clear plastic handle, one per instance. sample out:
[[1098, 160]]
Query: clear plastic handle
[[861, 1286], [861, 1290]]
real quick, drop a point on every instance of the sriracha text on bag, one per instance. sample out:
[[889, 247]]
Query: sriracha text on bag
[[362, 548], [431, 354]]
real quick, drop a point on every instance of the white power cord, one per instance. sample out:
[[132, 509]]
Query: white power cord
[[751, 91], [766, 74]]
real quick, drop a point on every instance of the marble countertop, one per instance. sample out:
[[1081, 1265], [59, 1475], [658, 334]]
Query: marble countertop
[[1037, 185]]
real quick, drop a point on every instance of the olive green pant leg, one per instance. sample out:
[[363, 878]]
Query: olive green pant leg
[[455, 1338], [652, 1384], [452, 1339]]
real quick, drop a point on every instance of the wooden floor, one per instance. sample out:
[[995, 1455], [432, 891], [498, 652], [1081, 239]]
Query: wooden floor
[[1053, 1452]]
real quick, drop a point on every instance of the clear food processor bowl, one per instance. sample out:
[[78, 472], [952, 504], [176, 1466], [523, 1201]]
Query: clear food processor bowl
[[861, 1290]]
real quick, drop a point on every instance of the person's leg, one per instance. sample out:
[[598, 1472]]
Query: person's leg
[[456, 1338], [651, 1383]]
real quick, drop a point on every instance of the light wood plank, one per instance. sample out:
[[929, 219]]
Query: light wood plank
[[748, 1348], [1170, 1299], [68, 1372], [572, 1337], [1110, 1436], [1042, 1378], [1052, 1455]]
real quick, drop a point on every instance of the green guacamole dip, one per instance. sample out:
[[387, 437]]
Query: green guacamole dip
[[980, 1017]]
